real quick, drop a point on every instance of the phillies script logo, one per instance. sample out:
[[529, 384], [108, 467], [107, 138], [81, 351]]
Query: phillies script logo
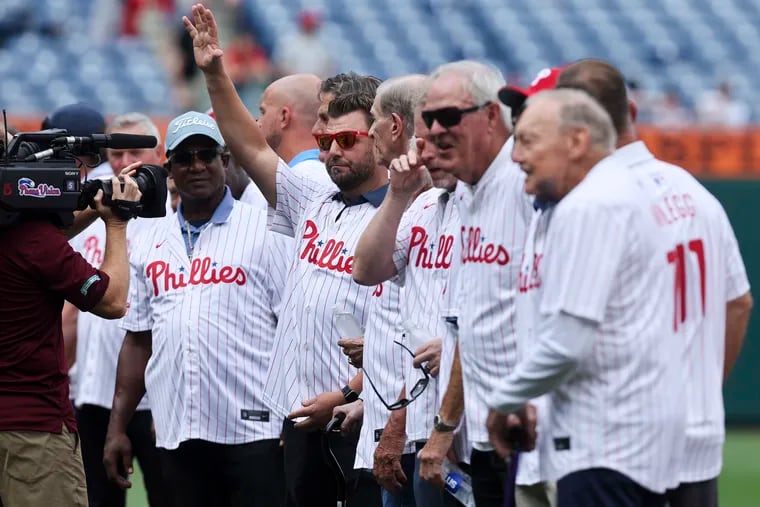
[[28, 188], [330, 254], [428, 257], [202, 272], [475, 248], [92, 251], [529, 278]]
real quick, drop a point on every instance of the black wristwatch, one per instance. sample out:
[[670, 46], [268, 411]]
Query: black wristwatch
[[441, 426], [349, 394]]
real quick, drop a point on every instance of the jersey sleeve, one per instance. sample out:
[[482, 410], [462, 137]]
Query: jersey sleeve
[[294, 194], [139, 315], [62, 269], [583, 251], [280, 249], [737, 283], [401, 249]]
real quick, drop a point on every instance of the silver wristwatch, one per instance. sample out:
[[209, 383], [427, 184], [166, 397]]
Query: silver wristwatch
[[441, 426]]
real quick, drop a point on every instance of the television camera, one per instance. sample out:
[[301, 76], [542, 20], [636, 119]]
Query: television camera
[[39, 177]]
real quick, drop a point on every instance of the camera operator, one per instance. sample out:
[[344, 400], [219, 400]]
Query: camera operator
[[40, 457]]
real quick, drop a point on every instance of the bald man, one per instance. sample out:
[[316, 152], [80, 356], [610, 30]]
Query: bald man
[[288, 111]]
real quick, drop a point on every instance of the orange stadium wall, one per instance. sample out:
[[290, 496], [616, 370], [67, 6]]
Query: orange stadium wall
[[728, 162]]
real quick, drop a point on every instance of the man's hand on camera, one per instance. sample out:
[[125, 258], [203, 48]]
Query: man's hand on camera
[[129, 194]]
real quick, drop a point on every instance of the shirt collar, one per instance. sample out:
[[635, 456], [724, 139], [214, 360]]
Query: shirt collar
[[221, 213], [304, 156], [633, 153], [374, 197]]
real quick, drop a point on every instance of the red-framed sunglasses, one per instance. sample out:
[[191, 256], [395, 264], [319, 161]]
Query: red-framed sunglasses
[[346, 139]]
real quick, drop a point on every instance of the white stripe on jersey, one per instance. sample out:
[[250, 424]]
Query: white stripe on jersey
[[495, 213], [422, 256], [384, 362], [213, 322], [711, 274], [306, 359], [99, 340], [533, 466], [604, 260]]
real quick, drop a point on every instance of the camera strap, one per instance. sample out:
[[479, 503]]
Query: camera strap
[[126, 209]]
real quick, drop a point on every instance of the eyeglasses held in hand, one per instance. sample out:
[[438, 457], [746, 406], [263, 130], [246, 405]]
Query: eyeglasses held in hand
[[416, 391], [448, 117], [346, 139], [185, 157]]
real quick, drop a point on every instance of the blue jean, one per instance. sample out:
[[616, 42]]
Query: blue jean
[[405, 497]]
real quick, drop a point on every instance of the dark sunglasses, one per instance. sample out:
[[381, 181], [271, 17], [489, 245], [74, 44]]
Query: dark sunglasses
[[416, 391], [346, 139], [185, 157], [447, 117]]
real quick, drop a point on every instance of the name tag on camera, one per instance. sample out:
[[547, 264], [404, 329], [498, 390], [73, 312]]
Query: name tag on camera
[[255, 415]]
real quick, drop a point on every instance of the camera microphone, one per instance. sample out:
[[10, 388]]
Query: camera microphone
[[115, 141]]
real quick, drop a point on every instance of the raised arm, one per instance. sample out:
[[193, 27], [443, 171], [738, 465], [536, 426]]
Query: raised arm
[[239, 129], [373, 259]]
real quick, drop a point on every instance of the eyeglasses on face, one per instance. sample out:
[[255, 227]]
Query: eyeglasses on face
[[346, 139], [185, 157], [416, 391], [448, 117]]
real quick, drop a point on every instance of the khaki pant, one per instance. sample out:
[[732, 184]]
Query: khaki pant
[[41, 469], [542, 494]]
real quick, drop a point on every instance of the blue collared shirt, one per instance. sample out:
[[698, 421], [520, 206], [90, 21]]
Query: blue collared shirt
[[374, 197], [304, 156], [220, 216]]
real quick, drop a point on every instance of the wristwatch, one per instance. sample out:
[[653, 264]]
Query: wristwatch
[[441, 426], [349, 394]]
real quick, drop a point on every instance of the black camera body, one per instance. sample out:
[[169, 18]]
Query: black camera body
[[39, 177]]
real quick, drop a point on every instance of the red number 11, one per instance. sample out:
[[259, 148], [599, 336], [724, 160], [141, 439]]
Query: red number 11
[[677, 257]]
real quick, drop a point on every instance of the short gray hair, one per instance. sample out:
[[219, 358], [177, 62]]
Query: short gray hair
[[402, 95], [482, 80], [134, 119], [577, 109]]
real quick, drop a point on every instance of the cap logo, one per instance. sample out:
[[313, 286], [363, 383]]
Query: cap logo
[[192, 120], [542, 74]]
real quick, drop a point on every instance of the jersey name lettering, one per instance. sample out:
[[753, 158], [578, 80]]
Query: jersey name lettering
[[475, 249], [330, 254], [202, 272], [426, 257], [672, 208]]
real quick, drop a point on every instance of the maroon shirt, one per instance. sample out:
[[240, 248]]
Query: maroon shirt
[[38, 270]]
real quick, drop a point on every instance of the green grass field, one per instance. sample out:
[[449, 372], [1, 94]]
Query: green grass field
[[739, 483]]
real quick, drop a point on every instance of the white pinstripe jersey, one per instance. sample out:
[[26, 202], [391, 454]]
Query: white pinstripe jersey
[[99, 340], [604, 260], [306, 358], [385, 362], [707, 271], [495, 213], [533, 467], [213, 321], [306, 164], [422, 256]]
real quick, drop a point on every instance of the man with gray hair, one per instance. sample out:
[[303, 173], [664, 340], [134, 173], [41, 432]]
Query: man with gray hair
[[98, 342], [713, 318], [470, 130], [604, 340]]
